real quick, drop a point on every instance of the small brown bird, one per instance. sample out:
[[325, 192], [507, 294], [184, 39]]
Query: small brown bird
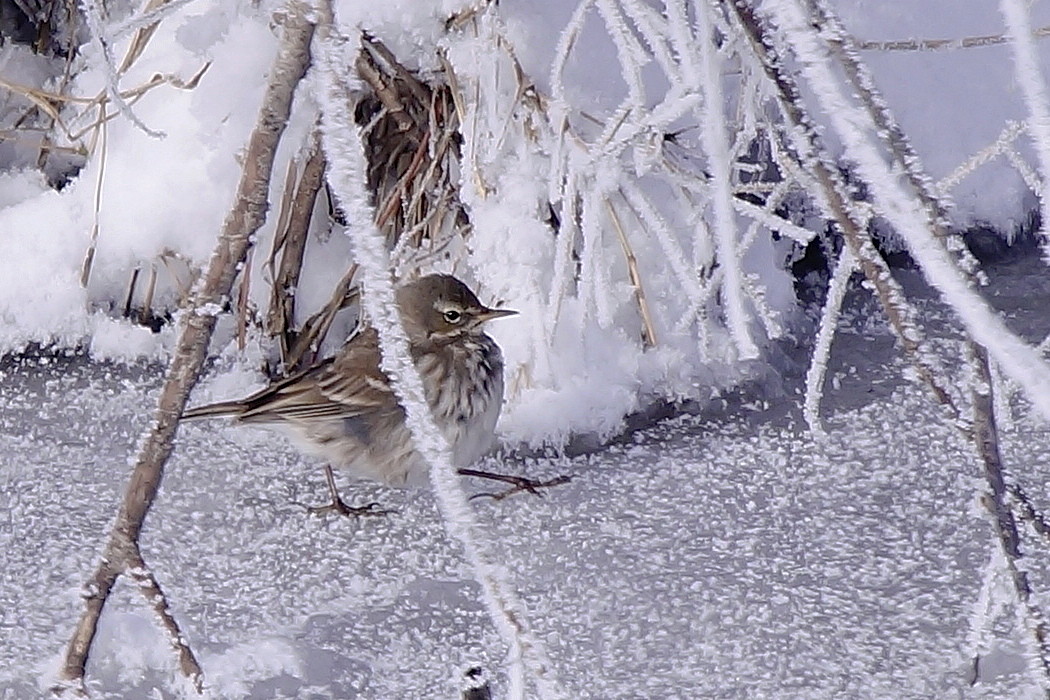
[[344, 411]]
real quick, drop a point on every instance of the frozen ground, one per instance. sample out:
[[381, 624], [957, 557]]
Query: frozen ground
[[725, 555]]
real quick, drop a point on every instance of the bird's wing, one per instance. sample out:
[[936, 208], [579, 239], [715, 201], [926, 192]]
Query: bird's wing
[[348, 385]]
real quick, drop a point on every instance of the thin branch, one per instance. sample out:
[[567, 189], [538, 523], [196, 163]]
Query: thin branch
[[969, 42], [148, 585], [986, 440], [821, 352]]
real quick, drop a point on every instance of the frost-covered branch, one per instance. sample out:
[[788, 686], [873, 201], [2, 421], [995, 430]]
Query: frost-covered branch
[[716, 144], [986, 440], [347, 175], [248, 214], [1033, 85], [93, 14], [818, 362], [968, 42]]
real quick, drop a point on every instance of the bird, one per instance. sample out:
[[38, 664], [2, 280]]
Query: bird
[[343, 409]]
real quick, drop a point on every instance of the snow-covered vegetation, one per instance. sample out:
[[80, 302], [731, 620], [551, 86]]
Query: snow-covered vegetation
[[670, 193]]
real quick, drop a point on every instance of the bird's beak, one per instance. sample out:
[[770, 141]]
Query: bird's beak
[[489, 314]]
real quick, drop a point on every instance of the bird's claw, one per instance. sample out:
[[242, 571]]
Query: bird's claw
[[338, 507], [521, 483]]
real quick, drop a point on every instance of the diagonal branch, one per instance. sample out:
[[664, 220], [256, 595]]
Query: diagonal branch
[[248, 214]]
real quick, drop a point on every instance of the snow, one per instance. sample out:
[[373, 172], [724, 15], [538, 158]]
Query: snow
[[726, 554]]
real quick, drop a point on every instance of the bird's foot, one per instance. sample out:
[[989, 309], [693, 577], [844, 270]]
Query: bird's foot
[[339, 506], [517, 483]]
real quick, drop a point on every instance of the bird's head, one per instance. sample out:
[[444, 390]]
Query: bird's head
[[440, 309]]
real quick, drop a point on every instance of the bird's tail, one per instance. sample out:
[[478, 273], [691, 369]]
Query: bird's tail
[[223, 408]]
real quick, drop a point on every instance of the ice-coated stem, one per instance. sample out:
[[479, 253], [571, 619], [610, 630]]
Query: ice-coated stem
[[1033, 87], [716, 145], [346, 175], [829, 316]]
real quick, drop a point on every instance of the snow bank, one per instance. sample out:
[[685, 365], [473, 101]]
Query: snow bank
[[631, 285]]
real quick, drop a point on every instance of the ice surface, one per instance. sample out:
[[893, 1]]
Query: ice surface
[[722, 555]]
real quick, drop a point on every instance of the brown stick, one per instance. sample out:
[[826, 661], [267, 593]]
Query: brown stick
[[150, 588], [247, 215], [986, 440]]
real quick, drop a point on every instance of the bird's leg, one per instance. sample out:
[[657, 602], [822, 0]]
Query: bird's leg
[[338, 506], [518, 483]]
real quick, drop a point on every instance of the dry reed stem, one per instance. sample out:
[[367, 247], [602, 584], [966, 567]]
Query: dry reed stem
[[316, 327], [243, 301], [151, 288], [141, 38], [648, 330], [129, 298], [247, 215], [133, 95], [89, 255], [291, 240]]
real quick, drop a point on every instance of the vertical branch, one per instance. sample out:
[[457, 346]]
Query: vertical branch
[[150, 588], [344, 148], [648, 328], [716, 145], [89, 256], [829, 317], [986, 441], [247, 215]]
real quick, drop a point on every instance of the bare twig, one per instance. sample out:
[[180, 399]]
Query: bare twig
[[243, 302], [986, 440], [968, 42], [148, 585], [248, 214], [1027, 510], [89, 256]]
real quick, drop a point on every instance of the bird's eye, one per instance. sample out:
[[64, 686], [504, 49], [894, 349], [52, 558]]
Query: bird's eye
[[453, 316]]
